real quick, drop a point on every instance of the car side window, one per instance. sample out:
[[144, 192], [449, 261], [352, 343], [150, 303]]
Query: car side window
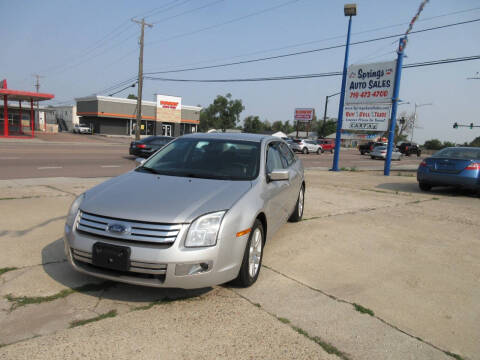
[[287, 154], [274, 158]]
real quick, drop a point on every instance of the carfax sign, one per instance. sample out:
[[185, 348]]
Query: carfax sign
[[370, 83], [366, 117]]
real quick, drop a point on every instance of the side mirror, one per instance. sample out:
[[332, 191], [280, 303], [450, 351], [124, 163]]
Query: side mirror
[[278, 175], [140, 161]]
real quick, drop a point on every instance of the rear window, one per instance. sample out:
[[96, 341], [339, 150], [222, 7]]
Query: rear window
[[297, 141], [459, 153]]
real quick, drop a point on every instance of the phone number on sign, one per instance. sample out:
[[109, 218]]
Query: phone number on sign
[[367, 94]]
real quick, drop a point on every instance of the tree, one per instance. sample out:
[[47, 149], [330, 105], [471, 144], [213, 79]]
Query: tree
[[223, 113], [132, 96], [433, 144], [475, 142], [252, 124], [329, 128], [404, 127]]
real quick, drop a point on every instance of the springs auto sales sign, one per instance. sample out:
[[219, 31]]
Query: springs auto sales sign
[[370, 83]]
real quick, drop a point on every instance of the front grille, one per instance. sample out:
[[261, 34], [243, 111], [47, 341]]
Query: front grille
[[136, 231], [135, 266]]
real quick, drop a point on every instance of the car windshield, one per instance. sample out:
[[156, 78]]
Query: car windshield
[[459, 153], [380, 148], [206, 158]]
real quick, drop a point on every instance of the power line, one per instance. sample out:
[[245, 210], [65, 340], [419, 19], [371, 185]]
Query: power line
[[188, 11], [325, 39], [125, 88], [310, 76], [225, 23], [309, 51]]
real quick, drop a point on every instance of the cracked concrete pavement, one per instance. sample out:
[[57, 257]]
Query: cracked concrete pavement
[[410, 257]]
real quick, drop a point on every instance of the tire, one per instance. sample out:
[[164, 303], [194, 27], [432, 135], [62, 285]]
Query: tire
[[362, 152], [373, 157], [331, 151], [319, 151], [424, 186], [304, 150], [251, 262], [298, 211]]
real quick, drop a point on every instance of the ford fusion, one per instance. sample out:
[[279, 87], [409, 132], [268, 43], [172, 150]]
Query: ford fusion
[[197, 213]]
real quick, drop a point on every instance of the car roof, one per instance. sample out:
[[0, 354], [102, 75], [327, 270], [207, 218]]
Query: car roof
[[231, 136]]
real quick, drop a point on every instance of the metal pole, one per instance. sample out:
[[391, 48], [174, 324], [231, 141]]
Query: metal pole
[[325, 116], [140, 78], [5, 116], [20, 115], [342, 100], [32, 121], [393, 120]]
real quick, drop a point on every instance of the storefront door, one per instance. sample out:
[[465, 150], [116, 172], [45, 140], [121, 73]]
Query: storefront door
[[167, 130]]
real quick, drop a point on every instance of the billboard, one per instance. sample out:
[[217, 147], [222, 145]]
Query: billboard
[[366, 117], [370, 83], [169, 108], [303, 114]]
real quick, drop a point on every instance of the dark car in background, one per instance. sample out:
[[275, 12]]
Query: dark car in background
[[147, 146], [408, 149], [369, 146], [453, 166]]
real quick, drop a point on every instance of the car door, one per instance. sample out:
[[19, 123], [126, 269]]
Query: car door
[[295, 179], [277, 192]]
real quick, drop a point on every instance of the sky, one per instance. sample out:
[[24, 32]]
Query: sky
[[84, 47]]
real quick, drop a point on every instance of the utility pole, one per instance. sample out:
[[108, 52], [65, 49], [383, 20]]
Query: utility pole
[[415, 117], [140, 77], [37, 87]]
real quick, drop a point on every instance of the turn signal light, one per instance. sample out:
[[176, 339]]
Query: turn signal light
[[473, 166]]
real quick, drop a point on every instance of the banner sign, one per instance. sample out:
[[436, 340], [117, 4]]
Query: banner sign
[[169, 102], [370, 83], [303, 115], [366, 117]]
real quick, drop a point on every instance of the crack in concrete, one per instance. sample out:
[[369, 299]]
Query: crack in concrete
[[60, 190], [335, 298]]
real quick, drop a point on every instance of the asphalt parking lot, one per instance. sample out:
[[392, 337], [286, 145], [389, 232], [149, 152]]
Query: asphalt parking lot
[[377, 270]]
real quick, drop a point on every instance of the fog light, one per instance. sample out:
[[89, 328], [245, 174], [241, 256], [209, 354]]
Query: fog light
[[192, 269]]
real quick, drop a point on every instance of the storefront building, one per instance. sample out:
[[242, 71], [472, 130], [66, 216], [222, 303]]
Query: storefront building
[[117, 116]]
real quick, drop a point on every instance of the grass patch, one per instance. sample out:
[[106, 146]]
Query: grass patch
[[435, 198], [7, 269], [167, 300], [257, 305], [329, 348], [284, 320], [349, 169], [455, 356], [415, 202], [110, 314], [27, 300], [363, 310]]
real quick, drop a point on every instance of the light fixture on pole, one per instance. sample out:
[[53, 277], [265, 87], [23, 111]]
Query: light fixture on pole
[[349, 10], [415, 117]]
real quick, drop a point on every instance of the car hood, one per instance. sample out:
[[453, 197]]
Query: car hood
[[160, 198]]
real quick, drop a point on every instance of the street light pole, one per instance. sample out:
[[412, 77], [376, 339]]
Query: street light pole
[[415, 117], [325, 113], [349, 10]]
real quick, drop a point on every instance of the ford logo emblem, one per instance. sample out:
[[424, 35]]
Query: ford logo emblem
[[117, 228]]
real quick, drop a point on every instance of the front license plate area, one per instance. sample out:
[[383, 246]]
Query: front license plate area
[[111, 256]]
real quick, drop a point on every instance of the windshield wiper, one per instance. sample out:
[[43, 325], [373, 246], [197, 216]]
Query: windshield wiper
[[153, 171]]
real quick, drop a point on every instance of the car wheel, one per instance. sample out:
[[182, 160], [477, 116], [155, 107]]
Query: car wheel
[[298, 211], [252, 258], [424, 186], [304, 150], [331, 151], [373, 157], [319, 151], [362, 152]]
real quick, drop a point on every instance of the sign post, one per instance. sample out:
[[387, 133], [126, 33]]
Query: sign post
[[304, 115], [396, 92]]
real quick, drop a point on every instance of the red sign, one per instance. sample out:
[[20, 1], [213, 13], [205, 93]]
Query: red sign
[[304, 115]]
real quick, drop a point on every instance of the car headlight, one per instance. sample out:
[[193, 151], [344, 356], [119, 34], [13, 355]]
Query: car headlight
[[72, 213], [204, 230]]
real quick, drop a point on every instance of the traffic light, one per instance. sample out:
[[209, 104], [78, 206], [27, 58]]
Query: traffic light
[[455, 125], [471, 125]]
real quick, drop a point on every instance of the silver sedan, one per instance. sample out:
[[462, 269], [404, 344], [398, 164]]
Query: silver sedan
[[195, 214], [380, 152]]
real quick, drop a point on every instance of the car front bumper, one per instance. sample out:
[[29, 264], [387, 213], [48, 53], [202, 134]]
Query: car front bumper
[[163, 266]]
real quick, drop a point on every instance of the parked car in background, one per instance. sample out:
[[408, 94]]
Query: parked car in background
[[306, 146], [380, 152], [198, 215], [326, 144], [147, 146], [408, 149], [369, 146], [453, 166], [82, 129]]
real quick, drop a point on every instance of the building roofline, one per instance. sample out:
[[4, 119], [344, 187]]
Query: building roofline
[[129, 101]]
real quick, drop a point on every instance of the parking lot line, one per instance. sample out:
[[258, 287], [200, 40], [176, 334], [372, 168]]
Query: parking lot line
[[49, 167], [109, 166]]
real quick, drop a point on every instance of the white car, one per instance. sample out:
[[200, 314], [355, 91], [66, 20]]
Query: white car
[[82, 129], [306, 146], [380, 152]]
